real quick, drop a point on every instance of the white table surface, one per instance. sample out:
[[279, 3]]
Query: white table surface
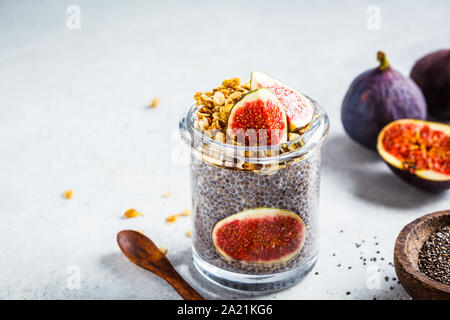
[[74, 115]]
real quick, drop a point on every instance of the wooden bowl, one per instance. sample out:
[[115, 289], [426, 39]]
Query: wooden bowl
[[406, 255]]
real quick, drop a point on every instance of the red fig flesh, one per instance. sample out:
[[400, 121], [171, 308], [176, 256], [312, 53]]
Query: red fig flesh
[[262, 235], [418, 151], [299, 109], [258, 118]]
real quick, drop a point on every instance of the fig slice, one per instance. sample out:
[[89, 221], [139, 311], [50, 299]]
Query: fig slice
[[417, 151], [258, 118], [261, 235], [299, 109]]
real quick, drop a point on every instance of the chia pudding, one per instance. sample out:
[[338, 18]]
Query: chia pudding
[[218, 192], [235, 184]]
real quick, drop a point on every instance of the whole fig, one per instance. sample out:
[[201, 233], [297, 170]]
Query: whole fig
[[377, 97], [432, 74]]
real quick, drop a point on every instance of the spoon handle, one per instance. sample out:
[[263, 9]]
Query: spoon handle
[[143, 252], [182, 287]]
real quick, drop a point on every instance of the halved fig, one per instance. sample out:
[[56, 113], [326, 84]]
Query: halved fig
[[418, 151], [261, 235], [258, 118], [299, 109]]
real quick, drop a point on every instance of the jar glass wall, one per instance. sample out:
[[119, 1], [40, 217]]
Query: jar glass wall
[[227, 179]]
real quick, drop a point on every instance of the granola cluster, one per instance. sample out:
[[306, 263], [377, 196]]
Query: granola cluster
[[216, 106]]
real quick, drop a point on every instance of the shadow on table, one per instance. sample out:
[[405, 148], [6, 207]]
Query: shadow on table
[[364, 174], [206, 288], [128, 273]]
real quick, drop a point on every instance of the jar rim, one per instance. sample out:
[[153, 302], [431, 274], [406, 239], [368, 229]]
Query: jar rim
[[312, 138]]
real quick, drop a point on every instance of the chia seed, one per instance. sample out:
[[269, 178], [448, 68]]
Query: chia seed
[[218, 192], [434, 257]]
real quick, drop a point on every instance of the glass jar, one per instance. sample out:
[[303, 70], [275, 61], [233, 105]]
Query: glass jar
[[227, 179]]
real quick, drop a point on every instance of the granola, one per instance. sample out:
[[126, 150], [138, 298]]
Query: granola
[[167, 195], [132, 213], [186, 212], [68, 194], [172, 218], [216, 105], [155, 102], [214, 108]]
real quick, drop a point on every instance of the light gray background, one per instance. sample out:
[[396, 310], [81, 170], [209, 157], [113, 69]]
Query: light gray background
[[74, 115]]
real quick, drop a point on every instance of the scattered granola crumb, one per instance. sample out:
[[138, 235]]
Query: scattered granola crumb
[[172, 218], [155, 102], [163, 250], [132, 213], [186, 212], [140, 231], [189, 233], [68, 194], [166, 195]]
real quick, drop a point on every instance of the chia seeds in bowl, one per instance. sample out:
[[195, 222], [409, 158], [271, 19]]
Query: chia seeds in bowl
[[227, 179], [434, 258]]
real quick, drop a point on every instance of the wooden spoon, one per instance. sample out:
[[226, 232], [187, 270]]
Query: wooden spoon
[[142, 251]]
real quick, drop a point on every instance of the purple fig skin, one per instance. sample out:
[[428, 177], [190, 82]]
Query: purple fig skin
[[432, 75], [431, 186], [376, 98]]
